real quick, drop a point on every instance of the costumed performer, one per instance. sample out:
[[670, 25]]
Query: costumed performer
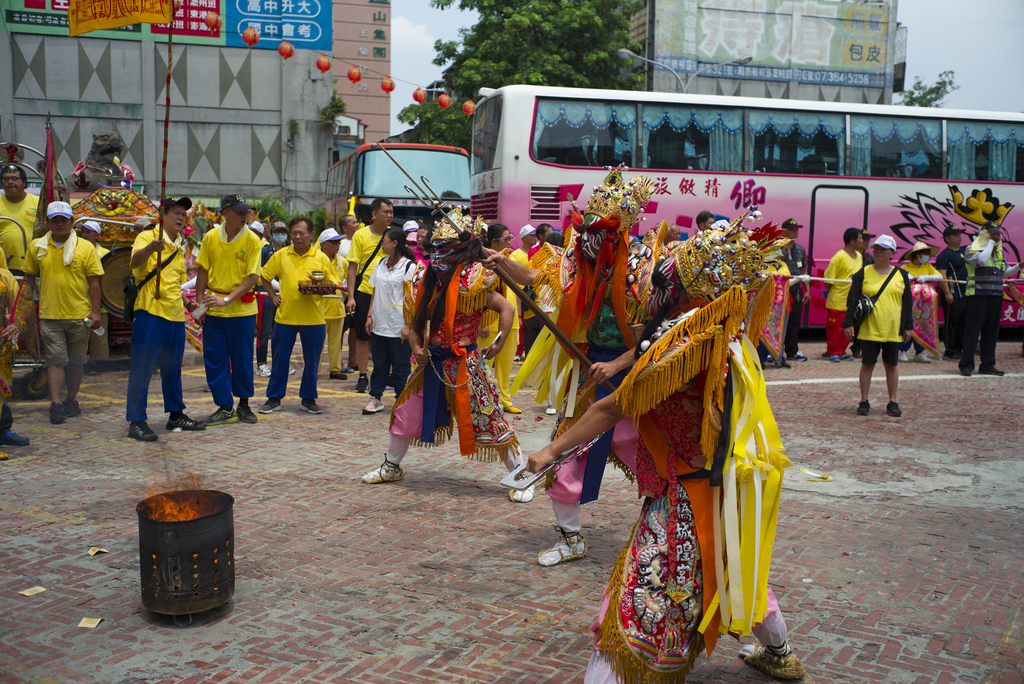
[[925, 281], [597, 292], [709, 466], [451, 386]]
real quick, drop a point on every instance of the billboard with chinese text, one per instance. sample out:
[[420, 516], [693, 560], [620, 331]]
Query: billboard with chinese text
[[811, 41]]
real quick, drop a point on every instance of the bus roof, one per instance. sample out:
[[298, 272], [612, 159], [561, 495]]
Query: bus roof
[[749, 102], [411, 146]]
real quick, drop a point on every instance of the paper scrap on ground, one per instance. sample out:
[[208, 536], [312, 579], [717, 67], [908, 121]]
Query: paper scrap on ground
[[816, 477], [90, 622], [32, 592], [95, 549]]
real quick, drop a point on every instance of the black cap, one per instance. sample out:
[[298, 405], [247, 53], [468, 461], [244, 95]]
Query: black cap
[[790, 224], [236, 203], [864, 233], [951, 230], [991, 226], [180, 202]]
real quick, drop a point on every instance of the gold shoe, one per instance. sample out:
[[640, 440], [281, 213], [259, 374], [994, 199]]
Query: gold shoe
[[513, 410], [571, 546], [386, 472], [787, 666]]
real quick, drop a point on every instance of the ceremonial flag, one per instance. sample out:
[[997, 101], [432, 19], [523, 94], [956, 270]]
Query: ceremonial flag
[[95, 15]]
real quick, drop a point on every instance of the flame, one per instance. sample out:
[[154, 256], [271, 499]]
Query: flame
[[181, 506]]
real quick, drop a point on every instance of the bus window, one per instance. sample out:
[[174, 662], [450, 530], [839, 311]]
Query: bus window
[[805, 143], [486, 123], [576, 133], [895, 147], [694, 138], [985, 151]]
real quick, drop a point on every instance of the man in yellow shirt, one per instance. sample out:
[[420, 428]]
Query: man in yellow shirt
[[158, 326], [20, 206], [228, 269], [69, 304], [362, 259], [298, 315], [334, 310], [531, 326], [842, 266]]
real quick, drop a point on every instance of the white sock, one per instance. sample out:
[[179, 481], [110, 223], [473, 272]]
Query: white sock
[[771, 632], [599, 670], [398, 447], [567, 515], [514, 460]]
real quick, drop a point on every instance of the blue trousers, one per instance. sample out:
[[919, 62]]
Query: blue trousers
[[918, 347], [155, 340], [390, 357], [282, 342], [227, 354]]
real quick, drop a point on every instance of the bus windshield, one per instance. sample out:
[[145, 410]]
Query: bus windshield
[[447, 172]]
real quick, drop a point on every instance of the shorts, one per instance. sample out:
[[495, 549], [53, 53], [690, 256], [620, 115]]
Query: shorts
[[869, 352], [359, 318], [64, 341]]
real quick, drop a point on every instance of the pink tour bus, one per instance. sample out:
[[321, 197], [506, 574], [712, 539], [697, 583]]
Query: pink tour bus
[[906, 171]]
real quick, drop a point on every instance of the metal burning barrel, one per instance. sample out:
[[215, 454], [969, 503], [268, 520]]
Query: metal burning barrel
[[186, 551]]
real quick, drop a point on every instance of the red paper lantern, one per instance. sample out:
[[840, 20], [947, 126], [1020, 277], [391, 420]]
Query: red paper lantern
[[387, 85], [323, 63], [355, 74], [419, 95], [286, 49], [212, 21], [444, 101], [250, 36], [468, 107]]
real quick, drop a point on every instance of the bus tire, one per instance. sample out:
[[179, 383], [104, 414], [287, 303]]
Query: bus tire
[[32, 385]]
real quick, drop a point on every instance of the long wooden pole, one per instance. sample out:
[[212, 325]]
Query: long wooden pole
[[163, 164]]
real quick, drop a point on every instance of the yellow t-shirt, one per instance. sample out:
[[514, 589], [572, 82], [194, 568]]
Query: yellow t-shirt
[[926, 269], [289, 268], [841, 267], [521, 257], [101, 252], [169, 306], [883, 325], [227, 264], [334, 309], [3, 259], [12, 240], [363, 244], [63, 290]]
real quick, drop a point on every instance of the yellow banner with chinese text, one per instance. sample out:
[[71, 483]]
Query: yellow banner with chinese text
[[94, 15]]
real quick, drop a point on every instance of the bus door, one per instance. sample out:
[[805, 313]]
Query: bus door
[[834, 208]]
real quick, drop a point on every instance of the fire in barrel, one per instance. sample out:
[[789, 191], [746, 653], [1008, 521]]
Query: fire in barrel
[[186, 551]]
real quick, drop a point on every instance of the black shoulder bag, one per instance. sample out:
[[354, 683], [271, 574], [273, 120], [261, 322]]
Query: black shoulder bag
[[131, 290], [865, 305], [359, 278]]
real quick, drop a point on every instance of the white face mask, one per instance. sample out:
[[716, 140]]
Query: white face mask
[[924, 259], [279, 238]]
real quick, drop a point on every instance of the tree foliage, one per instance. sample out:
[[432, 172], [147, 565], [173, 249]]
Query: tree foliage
[[436, 126], [921, 95], [539, 42]]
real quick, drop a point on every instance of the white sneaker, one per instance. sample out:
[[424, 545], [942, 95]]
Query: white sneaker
[[570, 547], [263, 371], [904, 357], [922, 358], [521, 495], [291, 371], [373, 406], [385, 472], [551, 411]]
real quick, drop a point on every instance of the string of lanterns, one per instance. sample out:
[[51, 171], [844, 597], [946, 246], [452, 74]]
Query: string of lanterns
[[251, 37]]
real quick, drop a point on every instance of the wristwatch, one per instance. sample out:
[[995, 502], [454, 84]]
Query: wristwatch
[[227, 300]]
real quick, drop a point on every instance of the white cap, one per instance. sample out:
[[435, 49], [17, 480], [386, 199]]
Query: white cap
[[886, 241], [721, 223], [256, 226], [330, 234], [526, 230], [93, 226], [411, 226], [58, 209]]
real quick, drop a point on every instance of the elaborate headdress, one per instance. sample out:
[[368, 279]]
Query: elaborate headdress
[[618, 198], [445, 232]]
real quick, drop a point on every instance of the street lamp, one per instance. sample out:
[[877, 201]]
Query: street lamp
[[623, 53], [739, 62]]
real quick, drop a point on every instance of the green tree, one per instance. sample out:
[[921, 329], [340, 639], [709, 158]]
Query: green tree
[[540, 42], [435, 126], [921, 95]]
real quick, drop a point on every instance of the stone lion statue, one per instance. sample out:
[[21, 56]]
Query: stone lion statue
[[99, 165]]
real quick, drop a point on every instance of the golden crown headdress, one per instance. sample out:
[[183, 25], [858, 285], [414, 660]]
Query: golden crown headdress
[[444, 231], [616, 197], [714, 260]]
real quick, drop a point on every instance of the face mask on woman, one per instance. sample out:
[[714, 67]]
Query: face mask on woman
[[279, 238], [924, 259]]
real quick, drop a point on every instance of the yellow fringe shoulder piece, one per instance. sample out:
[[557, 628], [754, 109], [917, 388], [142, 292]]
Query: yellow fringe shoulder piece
[[476, 285], [760, 309], [553, 279], [699, 342], [410, 288]]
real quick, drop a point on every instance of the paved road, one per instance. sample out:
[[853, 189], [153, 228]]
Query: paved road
[[908, 566]]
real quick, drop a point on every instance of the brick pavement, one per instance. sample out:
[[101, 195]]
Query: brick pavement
[[907, 567]]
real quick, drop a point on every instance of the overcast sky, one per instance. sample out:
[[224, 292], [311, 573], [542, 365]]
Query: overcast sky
[[979, 40]]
